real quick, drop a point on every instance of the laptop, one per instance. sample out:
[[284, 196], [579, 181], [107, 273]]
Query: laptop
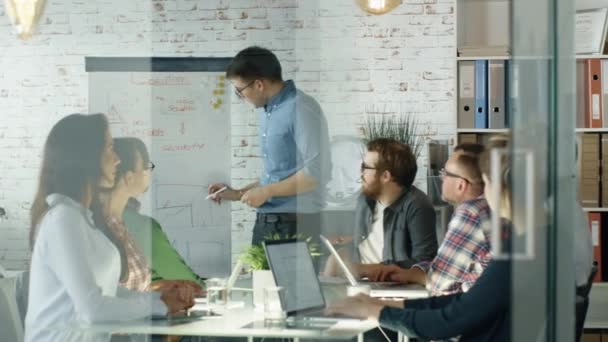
[[378, 289], [292, 268]]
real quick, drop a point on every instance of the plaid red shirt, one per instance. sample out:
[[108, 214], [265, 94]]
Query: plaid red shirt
[[139, 276], [464, 252]]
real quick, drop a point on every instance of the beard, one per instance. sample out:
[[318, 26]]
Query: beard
[[371, 189]]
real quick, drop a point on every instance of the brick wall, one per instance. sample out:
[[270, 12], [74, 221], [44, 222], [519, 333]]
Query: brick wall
[[354, 64]]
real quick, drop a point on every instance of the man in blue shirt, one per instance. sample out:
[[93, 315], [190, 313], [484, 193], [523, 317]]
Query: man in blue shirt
[[294, 143]]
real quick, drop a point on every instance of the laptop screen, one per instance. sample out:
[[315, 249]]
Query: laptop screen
[[292, 267]]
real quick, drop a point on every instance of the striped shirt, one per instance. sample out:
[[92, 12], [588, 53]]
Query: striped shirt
[[464, 252]]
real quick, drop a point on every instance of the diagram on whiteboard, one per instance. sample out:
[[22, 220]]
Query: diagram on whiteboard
[[184, 119]]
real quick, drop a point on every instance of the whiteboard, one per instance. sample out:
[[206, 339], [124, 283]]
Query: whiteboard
[[184, 119]]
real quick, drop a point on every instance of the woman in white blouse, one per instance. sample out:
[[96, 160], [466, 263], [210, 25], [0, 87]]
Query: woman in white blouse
[[75, 268]]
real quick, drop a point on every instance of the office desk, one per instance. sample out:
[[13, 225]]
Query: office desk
[[232, 324], [597, 314]]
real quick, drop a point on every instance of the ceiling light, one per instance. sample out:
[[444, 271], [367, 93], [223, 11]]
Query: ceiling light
[[24, 15], [378, 6]]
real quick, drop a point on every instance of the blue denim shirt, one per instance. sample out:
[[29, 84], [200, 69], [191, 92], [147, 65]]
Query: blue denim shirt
[[293, 137]]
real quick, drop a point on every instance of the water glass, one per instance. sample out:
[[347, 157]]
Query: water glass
[[273, 310], [217, 294]]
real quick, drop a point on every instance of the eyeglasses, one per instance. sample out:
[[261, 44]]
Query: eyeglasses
[[445, 173], [366, 167], [150, 166], [239, 92]]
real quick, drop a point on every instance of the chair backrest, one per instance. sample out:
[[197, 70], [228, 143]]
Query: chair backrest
[[594, 269], [22, 292], [10, 320], [582, 302]]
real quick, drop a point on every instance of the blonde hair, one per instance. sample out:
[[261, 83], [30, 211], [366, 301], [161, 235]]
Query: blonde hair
[[494, 143]]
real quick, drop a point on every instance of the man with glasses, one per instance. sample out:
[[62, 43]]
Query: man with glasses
[[394, 220], [294, 143], [465, 250]]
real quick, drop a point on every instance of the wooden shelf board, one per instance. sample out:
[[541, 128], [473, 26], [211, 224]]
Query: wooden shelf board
[[482, 130]]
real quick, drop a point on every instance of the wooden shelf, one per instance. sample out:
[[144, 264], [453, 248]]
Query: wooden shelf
[[592, 130], [474, 58], [595, 209], [482, 130], [591, 56]]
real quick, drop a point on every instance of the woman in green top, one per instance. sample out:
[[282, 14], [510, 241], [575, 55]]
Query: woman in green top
[[165, 262]]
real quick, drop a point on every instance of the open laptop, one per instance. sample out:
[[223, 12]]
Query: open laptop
[[292, 268], [378, 289]]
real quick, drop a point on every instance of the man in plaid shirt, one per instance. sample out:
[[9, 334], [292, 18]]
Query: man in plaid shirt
[[465, 250]]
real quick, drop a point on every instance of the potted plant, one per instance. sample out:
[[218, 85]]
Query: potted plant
[[255, 257], [403, 128]]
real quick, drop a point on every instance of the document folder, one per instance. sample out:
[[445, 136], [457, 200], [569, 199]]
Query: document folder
[[466, 94], [595, 225], [593, 100], [496, 94], [604, 92], [481, 94], [580, 94]]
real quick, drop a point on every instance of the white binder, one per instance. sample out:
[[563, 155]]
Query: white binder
[[496, 94], [466, 94]]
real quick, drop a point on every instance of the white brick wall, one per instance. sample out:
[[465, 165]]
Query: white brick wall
[[353, 63]]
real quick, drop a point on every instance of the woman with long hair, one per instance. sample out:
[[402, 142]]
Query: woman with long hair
[[75, 268], [132, 179]]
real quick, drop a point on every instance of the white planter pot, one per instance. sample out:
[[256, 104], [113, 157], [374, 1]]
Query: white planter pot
[[261, 280]]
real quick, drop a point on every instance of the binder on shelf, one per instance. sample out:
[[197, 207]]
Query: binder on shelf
[[589, 169], [512, 90], [605, 92], [496, 93], [580, 93], [604, 169], [593, 93], [595, 225], [481, 94], [466, 94]]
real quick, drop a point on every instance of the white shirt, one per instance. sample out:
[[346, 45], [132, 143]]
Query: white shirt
[[74, 278], [370, 249]]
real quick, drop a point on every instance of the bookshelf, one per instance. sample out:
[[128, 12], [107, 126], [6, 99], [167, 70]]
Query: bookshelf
[[481, 24]]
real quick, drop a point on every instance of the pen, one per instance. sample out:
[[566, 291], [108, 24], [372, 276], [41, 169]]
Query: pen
[[217, 192]]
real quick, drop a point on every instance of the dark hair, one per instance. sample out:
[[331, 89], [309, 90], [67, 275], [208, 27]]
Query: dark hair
[[396, 158], [127, 150], [71, 162], [470, 148], [253, 63]]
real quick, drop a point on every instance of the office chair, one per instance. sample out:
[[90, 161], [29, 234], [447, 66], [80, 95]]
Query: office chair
[[10, 320], [582, 302]]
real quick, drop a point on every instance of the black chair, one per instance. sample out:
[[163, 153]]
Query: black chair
[[582, 302]]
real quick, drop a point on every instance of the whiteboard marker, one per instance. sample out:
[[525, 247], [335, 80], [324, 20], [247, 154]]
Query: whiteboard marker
[[217, 192]]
